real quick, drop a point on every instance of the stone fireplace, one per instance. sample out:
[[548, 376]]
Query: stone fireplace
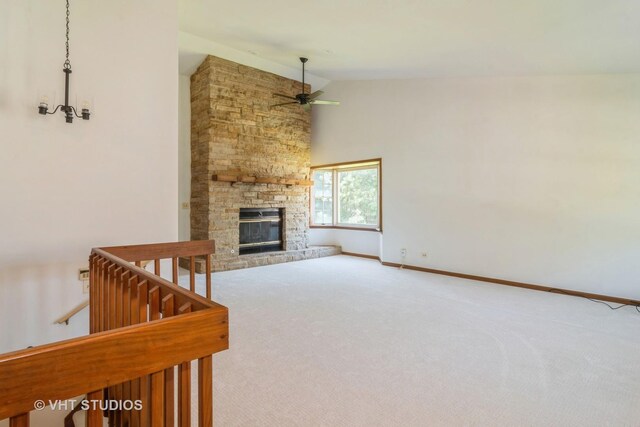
[[247, 156]]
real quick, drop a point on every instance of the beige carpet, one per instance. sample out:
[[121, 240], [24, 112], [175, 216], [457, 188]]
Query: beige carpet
[[344, 341]]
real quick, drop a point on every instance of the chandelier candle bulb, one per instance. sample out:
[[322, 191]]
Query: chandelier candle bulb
[[85, 110], [44, 105]]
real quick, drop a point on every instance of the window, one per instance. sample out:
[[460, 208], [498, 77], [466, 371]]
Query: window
[[346, 195]]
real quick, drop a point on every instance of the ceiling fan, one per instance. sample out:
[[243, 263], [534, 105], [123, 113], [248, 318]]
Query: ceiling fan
[[305, 99]]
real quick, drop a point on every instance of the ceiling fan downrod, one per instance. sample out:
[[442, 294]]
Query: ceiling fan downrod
[[303, 60]]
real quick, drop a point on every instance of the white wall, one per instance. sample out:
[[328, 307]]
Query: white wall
[[65, 188], [533, 179], [184, 157], [354, 241]]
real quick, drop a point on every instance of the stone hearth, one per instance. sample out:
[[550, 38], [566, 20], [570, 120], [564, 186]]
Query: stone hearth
[[236, 132]]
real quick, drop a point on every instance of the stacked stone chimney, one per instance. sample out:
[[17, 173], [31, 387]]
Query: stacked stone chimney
[[236, 131]]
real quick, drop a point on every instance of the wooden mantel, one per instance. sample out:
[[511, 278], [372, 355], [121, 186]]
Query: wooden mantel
[[248, 179]]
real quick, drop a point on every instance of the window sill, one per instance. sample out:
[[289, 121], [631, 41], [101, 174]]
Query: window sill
[[340, 227]]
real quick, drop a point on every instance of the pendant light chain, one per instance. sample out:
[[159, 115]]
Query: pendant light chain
[[67, 63]]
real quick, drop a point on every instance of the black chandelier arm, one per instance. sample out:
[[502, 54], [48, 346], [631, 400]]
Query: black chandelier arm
[[54, 111], [75, 112]]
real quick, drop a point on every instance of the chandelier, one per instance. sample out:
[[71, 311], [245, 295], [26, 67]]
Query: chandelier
[[68, 110]]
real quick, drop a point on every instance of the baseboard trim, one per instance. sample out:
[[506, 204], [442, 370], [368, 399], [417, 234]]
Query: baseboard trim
[[377, 258], [542, 288], [570, 292]]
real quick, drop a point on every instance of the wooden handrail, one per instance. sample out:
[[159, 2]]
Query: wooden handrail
[[69, 368], [65, 319], [142, 326], [151, 251]]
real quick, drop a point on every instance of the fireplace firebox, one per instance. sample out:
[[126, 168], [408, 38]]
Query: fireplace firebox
[[261, 230]]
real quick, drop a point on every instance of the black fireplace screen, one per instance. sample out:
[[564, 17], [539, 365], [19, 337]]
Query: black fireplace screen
[[260, 230]]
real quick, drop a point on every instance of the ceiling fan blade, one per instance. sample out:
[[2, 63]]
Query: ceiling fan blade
[[307, 107], [284, 96], [284, 103], [316, 94], [321, 102]]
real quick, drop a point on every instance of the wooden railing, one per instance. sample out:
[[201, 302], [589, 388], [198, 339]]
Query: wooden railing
[[67, 316], [143, 328]]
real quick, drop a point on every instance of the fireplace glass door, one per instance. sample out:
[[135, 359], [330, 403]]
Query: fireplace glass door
[[261, 230]]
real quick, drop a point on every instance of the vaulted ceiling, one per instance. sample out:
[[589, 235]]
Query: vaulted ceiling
[[367, 39]]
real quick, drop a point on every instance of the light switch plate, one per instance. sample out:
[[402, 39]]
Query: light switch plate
[[83, 274]]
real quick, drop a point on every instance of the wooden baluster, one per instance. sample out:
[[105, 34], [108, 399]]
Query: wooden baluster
[[111, 301], [117, 389], [111, 324], [134, 315], [118, 296], [97, 295], [101, 295], [192, 274], [184, 384], [21, 420], [138, 264], [205, 391], [104, 305], [94, 414], [174, 270], [126, 300], [154, 303], [126, 321], [94, 296], [145, 381], [112, 297], [92, 299], [143, 301], [208, 268], [104, 294], [134, 319], [157, 399], [157, 378], [156, 267], [168, 311]]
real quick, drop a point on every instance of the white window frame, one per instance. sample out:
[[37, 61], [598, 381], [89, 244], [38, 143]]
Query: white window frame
[[333, 200], [335, 170]]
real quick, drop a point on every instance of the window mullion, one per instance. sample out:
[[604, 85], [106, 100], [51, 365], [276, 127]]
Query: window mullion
[[334, 188], [324, 220]]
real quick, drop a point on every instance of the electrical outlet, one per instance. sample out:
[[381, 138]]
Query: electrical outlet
[[83, 274], [403, 252], [85, 287], [424, 254]]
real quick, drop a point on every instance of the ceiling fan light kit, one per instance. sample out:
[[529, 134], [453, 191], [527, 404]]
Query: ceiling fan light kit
[[305, 99]]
